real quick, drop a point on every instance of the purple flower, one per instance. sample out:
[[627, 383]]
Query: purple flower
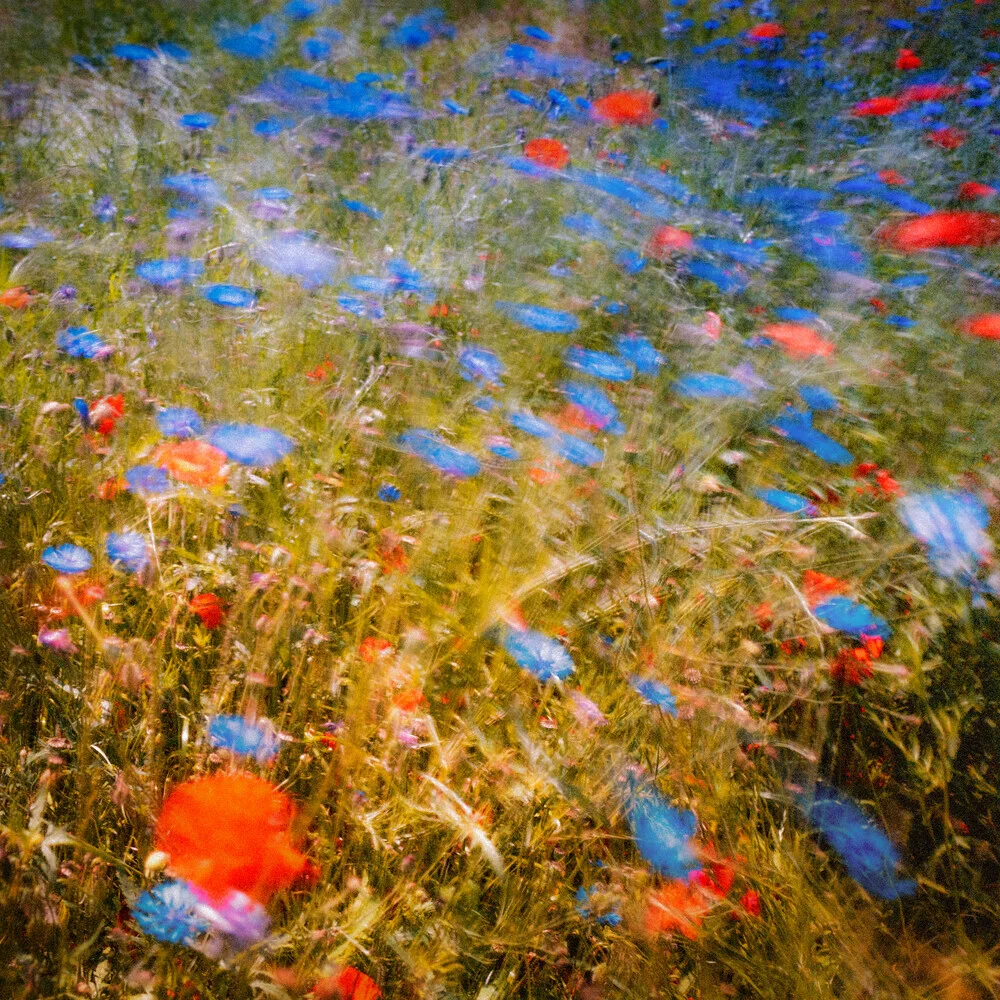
[[58, 640], [237, 916], [586, 712]]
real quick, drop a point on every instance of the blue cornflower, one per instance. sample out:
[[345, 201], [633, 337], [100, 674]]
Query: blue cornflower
[[857, 620], [389, 493], [128, 548], [147, 480], [540, 654], [197, 121], [654, 693], [953, 527], [179, 422], [439, 454], [250, 444], [67, 558], [168, 912], [867, 853], [662, 833], [611, 918], [79, 342], [248, 739]]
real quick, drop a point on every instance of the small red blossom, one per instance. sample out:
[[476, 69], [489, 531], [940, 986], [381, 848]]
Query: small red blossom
[[764, 616], [676, 907], [852, 666], [348, 984], [321, 372], [921, 92], [986, 326], [110, 488], [750, 901], [942, 229], [908, 59], [106, 412], [668, 239], [374, 648], [893, 178], [625, 107], [888, 485], [878, 107], [874, 645], [972, 190], [818, 587], [209, 610], [547, 153], [947, 137], [409, 701], [766, 31], [15, 298]]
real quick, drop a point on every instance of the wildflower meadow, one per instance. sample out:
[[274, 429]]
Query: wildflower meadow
[[499, 501]]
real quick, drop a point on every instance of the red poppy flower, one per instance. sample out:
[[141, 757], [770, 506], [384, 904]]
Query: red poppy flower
[[321, 372], [767, 30], [106, 412], [231, 832], [921, 92], [874, 644], [750, 901], [971, 190], [547, 153], [818, 587], [409, 701], [392, 555], [15, 298], [947, 137], [985, 325], [194, 462], [716, 878], [887, 484], [852, 666], [943, 229], [209, 609], [893, 178], [676, 907], [625, 107], [374, 648], [878, 107], [764, 616], [667, 239], [68, 599], [798, 340], [110, 488], [542, 477], [908, 59], [348, 984]]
